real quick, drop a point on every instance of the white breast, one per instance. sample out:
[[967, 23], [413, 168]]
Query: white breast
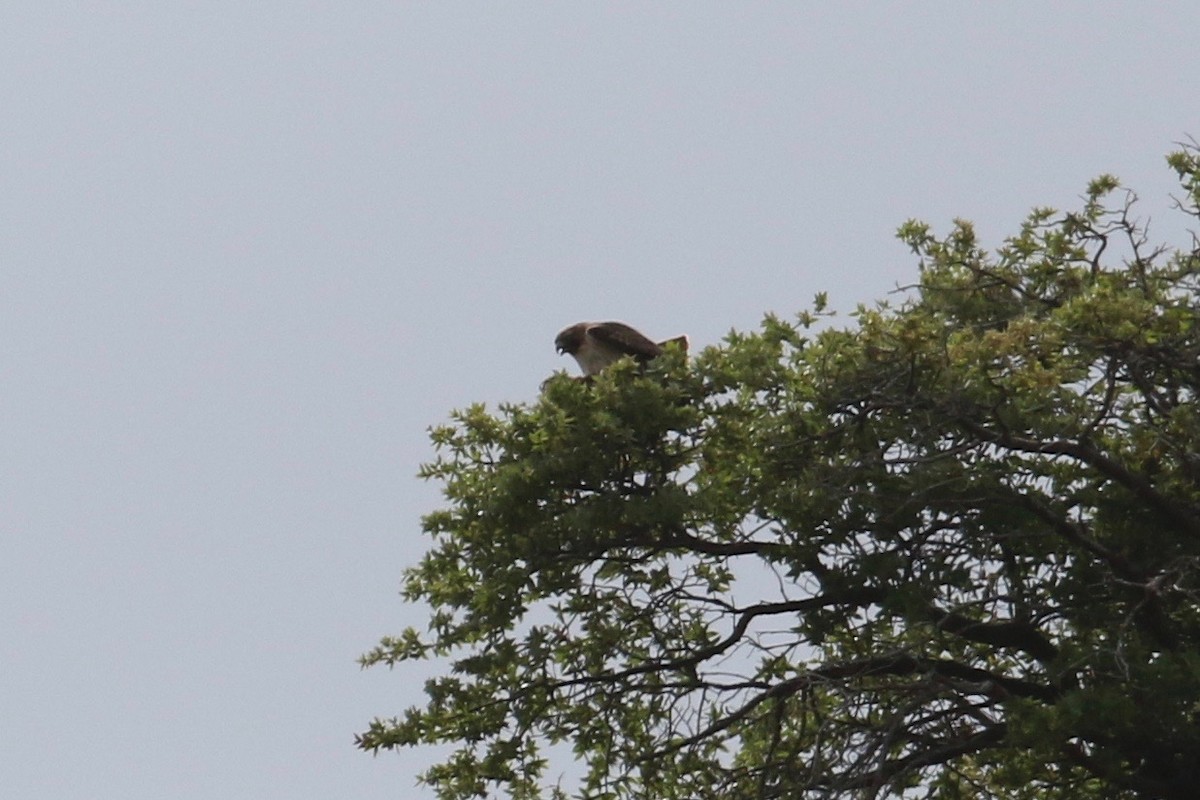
[[592, 359]]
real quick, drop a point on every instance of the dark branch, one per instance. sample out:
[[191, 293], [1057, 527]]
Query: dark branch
[[1136, 483], [1014, 634]]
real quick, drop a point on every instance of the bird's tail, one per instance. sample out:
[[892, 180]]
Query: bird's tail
[[679, 341]]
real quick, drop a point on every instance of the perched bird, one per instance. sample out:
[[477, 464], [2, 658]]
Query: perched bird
[[595, 345]]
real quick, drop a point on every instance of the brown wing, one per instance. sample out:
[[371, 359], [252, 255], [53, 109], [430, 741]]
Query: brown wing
[[620, 336]]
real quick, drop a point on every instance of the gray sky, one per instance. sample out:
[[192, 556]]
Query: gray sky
[[250, 251]]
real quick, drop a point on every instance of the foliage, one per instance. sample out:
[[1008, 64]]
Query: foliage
[[951, 550]]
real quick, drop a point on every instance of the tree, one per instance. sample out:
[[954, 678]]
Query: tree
[[950, 550]]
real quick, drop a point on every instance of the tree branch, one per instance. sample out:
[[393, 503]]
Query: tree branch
[[1142, 488], [1018, 635]]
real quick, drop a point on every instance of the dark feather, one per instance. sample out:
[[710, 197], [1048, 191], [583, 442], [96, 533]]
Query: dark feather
[[620, 336]]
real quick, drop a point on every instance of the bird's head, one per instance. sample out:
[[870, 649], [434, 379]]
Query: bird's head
[[569, 340]]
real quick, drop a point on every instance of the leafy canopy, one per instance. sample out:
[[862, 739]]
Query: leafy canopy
[[950, 550]]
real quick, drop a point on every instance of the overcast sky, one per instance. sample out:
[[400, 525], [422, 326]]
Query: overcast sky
[[249, 252]]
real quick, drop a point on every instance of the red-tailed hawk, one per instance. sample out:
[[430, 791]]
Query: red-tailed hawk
[[595, 345]]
